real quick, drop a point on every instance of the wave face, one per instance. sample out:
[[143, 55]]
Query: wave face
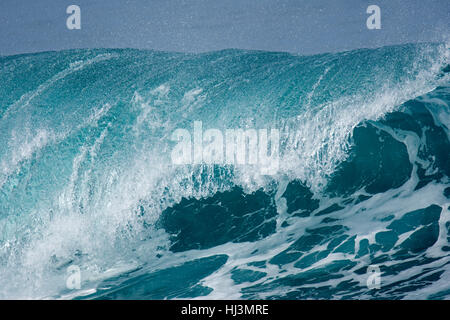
[[86, 177]]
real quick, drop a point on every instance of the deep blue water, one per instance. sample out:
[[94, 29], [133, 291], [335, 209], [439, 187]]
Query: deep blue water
[[86, 177]]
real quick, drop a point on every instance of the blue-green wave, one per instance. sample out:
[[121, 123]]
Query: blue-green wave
[[86, 177]]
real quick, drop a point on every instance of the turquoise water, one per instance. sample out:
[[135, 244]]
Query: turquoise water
[[86, 177]]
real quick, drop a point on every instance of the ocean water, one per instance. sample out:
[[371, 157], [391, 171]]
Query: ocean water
[[86, 178]]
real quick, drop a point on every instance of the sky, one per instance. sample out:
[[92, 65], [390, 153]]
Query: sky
[[298, 26]]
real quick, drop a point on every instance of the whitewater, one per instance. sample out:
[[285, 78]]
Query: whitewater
[[86, 177]]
